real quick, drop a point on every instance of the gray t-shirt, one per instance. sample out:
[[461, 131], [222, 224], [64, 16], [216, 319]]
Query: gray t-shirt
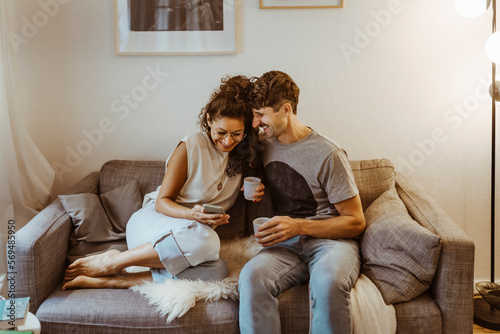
[[307, 177]]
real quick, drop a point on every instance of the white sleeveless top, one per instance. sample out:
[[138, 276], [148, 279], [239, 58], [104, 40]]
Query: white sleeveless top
[[206, 169]]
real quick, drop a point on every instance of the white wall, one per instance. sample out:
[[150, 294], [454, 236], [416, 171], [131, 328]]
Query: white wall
[[413, 91]]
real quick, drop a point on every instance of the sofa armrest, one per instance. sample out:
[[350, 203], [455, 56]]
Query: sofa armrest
[[41, 247], [452, 288]]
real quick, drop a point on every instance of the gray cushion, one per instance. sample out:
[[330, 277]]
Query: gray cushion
[[420, 315], [116, 173], [236, 226], [123, 311], [398, 254], [121, 203], [89, 218], [150, 174], [100, 221]]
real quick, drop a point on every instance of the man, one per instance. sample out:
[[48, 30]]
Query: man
[[318, 213]]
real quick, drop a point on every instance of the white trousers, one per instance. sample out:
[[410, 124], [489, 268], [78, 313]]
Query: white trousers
[[187, 248]]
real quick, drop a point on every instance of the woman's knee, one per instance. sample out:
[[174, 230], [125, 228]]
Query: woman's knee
[[199, 243]]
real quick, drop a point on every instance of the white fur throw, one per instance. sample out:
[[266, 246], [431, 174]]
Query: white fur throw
[[173, 298]]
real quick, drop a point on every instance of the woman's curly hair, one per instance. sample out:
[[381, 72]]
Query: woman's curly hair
[[231, 100]]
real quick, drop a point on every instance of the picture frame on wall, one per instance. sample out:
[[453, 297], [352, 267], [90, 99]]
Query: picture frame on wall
[[176, 27], [286, 4]]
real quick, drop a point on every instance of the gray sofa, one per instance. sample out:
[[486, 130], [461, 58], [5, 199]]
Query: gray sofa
[[444, 306]]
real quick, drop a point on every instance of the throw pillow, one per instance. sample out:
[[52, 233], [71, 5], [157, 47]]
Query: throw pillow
[[89, 218], [100, 220], [398, 254], [121, 203]]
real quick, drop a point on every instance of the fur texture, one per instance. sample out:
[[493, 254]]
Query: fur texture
[[173, 298]]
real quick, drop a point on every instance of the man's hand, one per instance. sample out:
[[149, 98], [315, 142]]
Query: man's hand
[[278, 229], [349, 224]]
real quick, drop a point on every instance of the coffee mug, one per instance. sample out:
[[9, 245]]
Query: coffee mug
[[259, 221], [250, 186]]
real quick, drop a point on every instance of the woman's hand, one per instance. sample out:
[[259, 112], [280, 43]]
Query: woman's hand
[[211, 219], [259, 192]]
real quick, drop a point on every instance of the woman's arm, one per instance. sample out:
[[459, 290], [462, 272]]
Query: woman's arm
[[171, 186]]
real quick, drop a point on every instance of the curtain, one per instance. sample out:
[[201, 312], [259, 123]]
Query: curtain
[[26, 178]]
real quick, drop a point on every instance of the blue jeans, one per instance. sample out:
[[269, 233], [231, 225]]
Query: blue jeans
[[331, 267]]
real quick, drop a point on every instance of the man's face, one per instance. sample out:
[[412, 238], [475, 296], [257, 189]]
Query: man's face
[[270, 123]]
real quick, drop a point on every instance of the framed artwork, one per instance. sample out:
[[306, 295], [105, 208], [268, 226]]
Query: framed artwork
[[176, 27], [284, 4]]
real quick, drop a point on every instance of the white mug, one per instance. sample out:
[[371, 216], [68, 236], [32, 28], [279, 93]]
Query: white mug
[[250, 186], [259, 221]]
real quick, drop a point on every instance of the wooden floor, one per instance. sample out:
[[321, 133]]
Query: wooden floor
[[478, 329]]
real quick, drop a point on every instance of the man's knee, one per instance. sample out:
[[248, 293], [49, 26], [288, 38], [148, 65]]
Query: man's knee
[[330, 287], [255, 280], [251, 276]]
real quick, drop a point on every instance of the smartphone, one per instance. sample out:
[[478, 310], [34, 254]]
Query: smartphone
[[213, 209]]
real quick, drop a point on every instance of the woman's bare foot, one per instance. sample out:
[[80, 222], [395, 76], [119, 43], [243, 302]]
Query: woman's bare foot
[[118, 281], [99, 265]]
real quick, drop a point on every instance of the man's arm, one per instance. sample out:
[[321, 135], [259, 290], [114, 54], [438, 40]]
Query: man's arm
[[349, 224]]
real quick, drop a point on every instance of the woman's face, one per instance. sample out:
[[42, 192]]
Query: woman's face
[[226, 133]]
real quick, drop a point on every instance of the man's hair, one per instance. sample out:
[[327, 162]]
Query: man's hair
[[273, 89]]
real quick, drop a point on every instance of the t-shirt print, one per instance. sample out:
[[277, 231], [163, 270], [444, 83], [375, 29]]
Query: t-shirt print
[[290, 193]]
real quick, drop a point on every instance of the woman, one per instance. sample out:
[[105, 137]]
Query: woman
[[172, 234]]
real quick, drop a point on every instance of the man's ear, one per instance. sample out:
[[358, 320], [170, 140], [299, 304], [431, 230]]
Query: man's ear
[[287, 108]]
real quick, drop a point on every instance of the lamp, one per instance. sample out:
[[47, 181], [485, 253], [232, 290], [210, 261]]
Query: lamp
[[472, 8], [487, 307], [492, 47]]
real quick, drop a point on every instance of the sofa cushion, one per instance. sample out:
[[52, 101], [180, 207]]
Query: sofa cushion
[[123, 311], [89, 218], [150, 175], [420, 315], [398, 254], [116, 173], [99, 221], [372, 178], [121, 203], [236, 227]]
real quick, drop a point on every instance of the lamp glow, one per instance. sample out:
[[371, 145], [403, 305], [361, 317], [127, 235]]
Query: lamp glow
[[492, 47], [472, 8]]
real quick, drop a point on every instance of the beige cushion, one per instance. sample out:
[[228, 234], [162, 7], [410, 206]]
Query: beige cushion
[[372, 178], [100, 220], [398, 254]]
